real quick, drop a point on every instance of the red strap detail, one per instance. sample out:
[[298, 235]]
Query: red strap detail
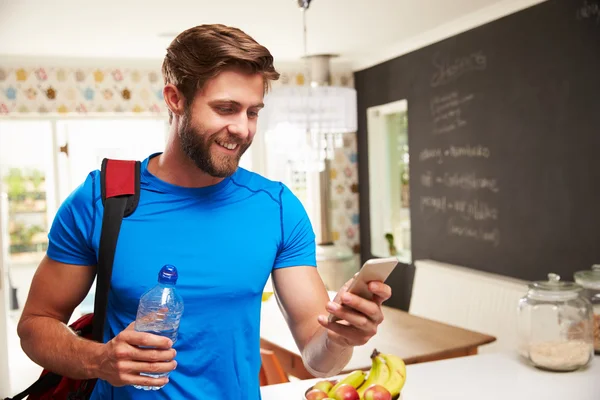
[[120, 178]]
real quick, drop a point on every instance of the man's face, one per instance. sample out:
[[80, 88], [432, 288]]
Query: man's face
[[221, 122]]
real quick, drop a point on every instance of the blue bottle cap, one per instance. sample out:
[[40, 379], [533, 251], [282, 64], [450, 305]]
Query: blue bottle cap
[[168, 275]]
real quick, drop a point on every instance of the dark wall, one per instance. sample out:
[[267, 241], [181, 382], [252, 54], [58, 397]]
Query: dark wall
[[504, 135]]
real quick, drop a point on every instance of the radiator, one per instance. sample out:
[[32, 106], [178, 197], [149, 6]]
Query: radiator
[[470, 299]]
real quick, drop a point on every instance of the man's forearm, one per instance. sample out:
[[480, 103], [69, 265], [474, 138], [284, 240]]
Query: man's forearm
[[54, 346], [323, 358]]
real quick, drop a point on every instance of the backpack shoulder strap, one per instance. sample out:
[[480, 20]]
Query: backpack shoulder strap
[[121, 178], [120, 183]]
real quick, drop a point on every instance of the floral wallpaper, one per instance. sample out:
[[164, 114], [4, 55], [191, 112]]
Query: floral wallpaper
[[80, 90], [344, 195], [40, 90], [55, 90]]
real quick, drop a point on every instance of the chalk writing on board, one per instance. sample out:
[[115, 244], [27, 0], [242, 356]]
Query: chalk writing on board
[[447, 111], [428, 154], [589, 10], [458, 227], [427, 179], [466, 151], [472, 210], [448, 70], [447, 102], [468, 181]]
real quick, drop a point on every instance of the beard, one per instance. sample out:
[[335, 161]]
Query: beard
[[197, 144]]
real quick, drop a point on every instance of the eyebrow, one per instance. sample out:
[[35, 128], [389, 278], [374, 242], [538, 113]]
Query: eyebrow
[[218, 101]]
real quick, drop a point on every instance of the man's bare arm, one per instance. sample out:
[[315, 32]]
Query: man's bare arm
[[56, 290], [302, 297]]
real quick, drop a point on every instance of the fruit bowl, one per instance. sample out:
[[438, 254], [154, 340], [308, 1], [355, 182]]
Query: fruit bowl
[[384, 381], [334, 382]]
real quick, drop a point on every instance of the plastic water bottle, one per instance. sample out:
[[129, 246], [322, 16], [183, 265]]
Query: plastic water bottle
[[159, 312]]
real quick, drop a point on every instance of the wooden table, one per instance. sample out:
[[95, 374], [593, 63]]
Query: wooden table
[[413, 338]]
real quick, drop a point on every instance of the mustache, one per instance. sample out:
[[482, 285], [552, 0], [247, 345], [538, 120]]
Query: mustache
[[230, 139]]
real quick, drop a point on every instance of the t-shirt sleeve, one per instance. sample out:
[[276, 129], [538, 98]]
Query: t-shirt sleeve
[[298, 247], [70, 236]]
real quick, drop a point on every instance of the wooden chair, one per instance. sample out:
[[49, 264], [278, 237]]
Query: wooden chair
[[271, 371]]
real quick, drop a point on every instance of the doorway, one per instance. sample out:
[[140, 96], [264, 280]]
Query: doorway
[[389, 178]]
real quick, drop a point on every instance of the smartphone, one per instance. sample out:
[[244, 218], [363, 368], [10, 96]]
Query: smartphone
[[375, 269]]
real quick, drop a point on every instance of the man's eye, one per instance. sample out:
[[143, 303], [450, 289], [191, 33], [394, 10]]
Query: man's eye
[[253, 114], [224, 109]]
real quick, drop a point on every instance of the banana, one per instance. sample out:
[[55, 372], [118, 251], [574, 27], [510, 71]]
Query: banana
[[379, 373], [354, 379], [397, 376]]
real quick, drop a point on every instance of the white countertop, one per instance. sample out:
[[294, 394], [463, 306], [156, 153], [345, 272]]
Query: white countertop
[[481, 377]]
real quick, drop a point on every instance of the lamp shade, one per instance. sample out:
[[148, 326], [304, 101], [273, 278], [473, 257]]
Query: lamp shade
[[320, 109]]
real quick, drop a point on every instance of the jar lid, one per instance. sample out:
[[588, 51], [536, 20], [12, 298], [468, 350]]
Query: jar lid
[[589, 279], [555, 285]]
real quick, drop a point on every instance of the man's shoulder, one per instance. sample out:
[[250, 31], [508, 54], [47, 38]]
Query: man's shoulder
[[87, 193], [255, 182]]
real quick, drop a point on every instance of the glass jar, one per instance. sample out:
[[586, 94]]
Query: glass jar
[[555, 325], [590, 281]]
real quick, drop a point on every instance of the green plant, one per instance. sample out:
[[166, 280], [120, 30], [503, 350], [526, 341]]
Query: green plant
[[390, 239], [37, 178], [15, 183], [20, 234]]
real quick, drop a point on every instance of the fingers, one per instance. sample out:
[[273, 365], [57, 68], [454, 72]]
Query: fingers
[[345, 335], [353, 317], [135, 367], [370, 309], [145, 339], [141, 380], [380, 290], [146, 355]]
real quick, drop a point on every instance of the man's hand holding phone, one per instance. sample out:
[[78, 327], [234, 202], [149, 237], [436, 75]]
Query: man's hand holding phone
[[355, 312]]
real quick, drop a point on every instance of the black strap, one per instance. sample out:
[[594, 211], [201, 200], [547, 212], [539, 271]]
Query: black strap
[[114, 210]]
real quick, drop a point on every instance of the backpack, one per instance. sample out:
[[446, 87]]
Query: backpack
[[120, 183]]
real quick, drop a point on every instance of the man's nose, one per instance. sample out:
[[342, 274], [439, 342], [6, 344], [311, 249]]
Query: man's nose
[[240, 127]]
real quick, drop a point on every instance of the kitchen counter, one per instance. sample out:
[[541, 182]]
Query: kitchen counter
[[495, 376]]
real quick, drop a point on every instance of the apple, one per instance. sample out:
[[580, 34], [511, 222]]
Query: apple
[[345, 392], [316, 394], [324, 386], [377, 392]]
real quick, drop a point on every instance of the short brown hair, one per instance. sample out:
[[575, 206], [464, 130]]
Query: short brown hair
[[200, 53]]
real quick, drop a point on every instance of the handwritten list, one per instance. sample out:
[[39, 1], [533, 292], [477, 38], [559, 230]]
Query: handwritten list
[[454, 187]]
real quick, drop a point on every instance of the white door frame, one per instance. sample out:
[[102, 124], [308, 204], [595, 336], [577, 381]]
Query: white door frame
[[4, 374], [379, 179]]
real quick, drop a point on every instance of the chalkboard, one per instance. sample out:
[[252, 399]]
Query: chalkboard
[[504, 142]]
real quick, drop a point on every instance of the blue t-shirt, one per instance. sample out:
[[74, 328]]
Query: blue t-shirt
[[225, 240]]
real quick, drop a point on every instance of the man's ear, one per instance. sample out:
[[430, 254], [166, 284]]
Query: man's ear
[[174, 99]]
